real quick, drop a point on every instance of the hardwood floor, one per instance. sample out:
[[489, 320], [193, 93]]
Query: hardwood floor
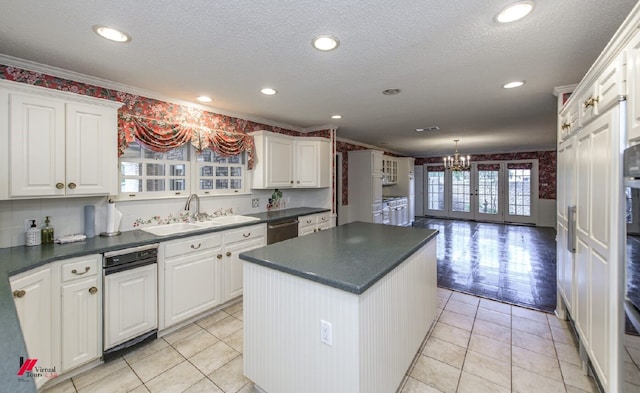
[[511, 263]]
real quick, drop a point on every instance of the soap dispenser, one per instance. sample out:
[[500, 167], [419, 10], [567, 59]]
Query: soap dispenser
[[47, 232], [32, 235]]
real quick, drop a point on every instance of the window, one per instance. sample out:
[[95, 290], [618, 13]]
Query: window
[[520, 192], [148, 174], [435, 190], [220, 175], [144, 172]]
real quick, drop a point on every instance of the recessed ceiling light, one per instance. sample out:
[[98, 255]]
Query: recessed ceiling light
[[336, 117], [430, 128], [325, 42], [267, 91], [513, 84], [111, 34], [515, 11], [391, 92], [204, 99]]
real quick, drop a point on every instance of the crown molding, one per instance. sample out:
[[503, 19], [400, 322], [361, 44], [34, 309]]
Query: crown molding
[[83, 78]]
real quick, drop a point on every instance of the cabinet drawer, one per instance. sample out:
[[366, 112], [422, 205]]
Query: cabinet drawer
[[80, 267], [323, 218], [192, 244], [305, 221], [245, 233]]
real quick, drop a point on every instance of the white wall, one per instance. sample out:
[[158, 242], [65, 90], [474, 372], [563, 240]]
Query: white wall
[[547, 213], [67, 213]]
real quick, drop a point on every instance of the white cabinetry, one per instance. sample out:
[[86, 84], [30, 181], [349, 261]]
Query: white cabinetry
[[204, 271], [314, 223], [81, 311], [284, 162], [60, 311], [59, 144], [365, 185], [590, 178], [237, 241], [191, 276], [389, 170], [33, 300]]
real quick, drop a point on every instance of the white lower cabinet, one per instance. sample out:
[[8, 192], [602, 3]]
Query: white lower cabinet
[[60, 309], [314, 223], [202, 272], [81, 296], [190, 274], [33, 300]]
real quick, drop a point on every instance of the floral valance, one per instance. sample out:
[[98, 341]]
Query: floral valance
[[161, 136]]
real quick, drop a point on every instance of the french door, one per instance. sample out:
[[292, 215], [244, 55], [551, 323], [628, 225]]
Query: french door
[[488, 191]]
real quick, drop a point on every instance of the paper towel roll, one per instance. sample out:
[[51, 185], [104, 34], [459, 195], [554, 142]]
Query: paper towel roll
[[89, 221], [111, 224]]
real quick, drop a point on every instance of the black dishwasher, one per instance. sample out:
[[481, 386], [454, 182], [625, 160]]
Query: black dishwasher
[[278, 231]]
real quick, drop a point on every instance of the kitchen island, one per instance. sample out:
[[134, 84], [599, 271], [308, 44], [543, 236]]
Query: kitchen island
[[343, 310]]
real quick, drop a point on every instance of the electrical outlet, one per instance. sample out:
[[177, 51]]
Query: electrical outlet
[[325, 333], [27, 223], [255, 202]]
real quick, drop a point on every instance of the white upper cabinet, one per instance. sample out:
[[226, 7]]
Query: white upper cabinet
[[285, 162], [59, 144]]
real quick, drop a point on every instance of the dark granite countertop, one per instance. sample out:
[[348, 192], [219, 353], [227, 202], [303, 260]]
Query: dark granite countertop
[[350, 257], [15, 260]]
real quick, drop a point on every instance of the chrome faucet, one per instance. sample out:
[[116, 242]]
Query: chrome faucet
[[188, 205]]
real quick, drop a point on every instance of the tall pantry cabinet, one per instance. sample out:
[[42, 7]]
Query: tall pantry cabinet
[[592, 133], [365, 186]]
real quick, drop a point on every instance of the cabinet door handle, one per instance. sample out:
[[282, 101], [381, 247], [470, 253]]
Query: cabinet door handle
[[246, 234], [228, 253], [59, 186], [565, 126], [71, 185], [298, 182], [591, 102], [219, 256], [86, 269], [196, 247], [93, 290], [20, 293]]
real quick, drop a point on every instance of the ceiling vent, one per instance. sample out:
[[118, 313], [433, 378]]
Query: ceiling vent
[[432, 128]]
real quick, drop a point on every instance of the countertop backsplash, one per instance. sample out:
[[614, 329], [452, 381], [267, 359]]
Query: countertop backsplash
[[67, 213]]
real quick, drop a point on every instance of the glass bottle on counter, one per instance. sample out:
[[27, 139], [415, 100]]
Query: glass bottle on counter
[[47, 232]]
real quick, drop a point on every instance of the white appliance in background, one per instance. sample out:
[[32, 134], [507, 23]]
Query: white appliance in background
[[365, 186]]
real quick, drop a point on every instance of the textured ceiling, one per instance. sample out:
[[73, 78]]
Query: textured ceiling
[[449, 58]]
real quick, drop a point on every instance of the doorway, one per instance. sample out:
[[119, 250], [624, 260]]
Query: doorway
[[492, 191]]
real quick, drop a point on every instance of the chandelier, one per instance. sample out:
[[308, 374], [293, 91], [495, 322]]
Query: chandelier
[[457, 163]]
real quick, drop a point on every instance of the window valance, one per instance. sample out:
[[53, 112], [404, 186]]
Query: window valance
[[161, 136]]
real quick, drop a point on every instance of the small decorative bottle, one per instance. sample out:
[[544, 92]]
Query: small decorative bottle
[[47, 232], [32, 236]]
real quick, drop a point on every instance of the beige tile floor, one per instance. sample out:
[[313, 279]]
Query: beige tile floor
[[477, 346]]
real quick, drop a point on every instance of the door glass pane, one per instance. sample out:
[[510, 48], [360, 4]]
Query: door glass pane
[[460, 191], [629, 205], [488, 191], [520, 192], [435, 190]]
